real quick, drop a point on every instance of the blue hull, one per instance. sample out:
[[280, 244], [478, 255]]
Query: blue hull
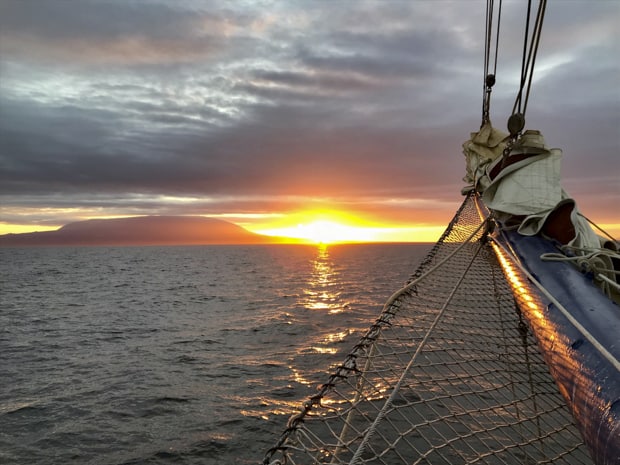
[[584, 364]]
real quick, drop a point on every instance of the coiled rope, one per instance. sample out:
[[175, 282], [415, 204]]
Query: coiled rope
[[598, 262]]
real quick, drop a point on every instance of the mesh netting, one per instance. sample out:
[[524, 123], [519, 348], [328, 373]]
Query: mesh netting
[[448, 374]]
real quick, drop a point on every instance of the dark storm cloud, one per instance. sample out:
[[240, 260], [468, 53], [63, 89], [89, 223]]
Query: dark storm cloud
[[101, 102]]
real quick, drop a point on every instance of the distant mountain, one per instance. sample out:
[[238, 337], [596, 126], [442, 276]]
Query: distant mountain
[[141, 230]]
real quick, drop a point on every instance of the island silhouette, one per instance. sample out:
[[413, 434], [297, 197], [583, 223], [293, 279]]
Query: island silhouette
[[142, 230]]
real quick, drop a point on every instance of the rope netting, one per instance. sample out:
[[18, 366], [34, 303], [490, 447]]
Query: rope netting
[[448, 374]]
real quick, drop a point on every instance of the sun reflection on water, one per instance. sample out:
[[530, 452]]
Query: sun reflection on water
[[321, 291]]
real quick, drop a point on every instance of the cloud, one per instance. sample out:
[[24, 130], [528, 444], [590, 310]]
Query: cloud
[[106, 105], [93, 33]]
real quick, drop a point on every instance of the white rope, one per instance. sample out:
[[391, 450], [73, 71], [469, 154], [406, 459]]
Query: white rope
[[388, 403], [586, 334], [586, 252], [413, 283], [597, 261], [346, 427], [590, 262], [386, 306]]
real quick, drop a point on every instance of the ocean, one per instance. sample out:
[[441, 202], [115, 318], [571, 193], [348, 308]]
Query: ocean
[[176, 355]]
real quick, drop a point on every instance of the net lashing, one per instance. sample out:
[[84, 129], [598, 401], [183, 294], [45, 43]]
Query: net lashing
[[449, 373]]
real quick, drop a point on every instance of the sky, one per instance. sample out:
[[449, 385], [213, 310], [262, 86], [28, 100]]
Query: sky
[[274, 114]]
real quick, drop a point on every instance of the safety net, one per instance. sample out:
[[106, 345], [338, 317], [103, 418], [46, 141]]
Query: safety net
[[449, 373]]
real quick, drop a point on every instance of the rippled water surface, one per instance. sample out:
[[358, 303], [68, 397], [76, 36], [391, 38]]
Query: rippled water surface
[[176, 355]]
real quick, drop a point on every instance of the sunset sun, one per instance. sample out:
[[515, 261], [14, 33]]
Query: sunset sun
[[333, 227], [322, 228], [328, 232]]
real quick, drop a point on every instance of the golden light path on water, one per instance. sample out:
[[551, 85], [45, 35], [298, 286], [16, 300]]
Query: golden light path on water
[[321, 295]]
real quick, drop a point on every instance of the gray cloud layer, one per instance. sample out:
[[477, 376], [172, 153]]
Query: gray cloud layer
[[112, 103]]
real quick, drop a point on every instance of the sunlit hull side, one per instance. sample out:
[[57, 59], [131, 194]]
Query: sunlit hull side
[[584, 366]]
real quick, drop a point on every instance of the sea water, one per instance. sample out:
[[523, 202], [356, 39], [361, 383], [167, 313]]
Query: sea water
[[176, 355]]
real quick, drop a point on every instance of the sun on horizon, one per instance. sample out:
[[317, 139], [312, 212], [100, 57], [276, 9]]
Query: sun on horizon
[[323, 232], [310, 227], [339, 227]]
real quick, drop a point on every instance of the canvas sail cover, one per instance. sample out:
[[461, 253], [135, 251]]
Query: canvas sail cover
[[525, 186], [484, 147]]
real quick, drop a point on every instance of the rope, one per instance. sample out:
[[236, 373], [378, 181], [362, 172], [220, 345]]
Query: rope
[[413, 283], [523, 62], [499, 15], [537, 33], [449, 367], [609, 236], [595, 261], [388, 403], [516, 121], [488, 78], [349, 364], [585, 333], [527, 65]]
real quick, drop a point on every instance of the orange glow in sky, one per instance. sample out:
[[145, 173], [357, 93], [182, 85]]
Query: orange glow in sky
[[276, 120], [324, 226], [338, 227], [323, 232], [311, 226]]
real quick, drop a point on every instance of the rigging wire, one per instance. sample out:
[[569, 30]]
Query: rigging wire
[[488, 77], [516, 122]]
